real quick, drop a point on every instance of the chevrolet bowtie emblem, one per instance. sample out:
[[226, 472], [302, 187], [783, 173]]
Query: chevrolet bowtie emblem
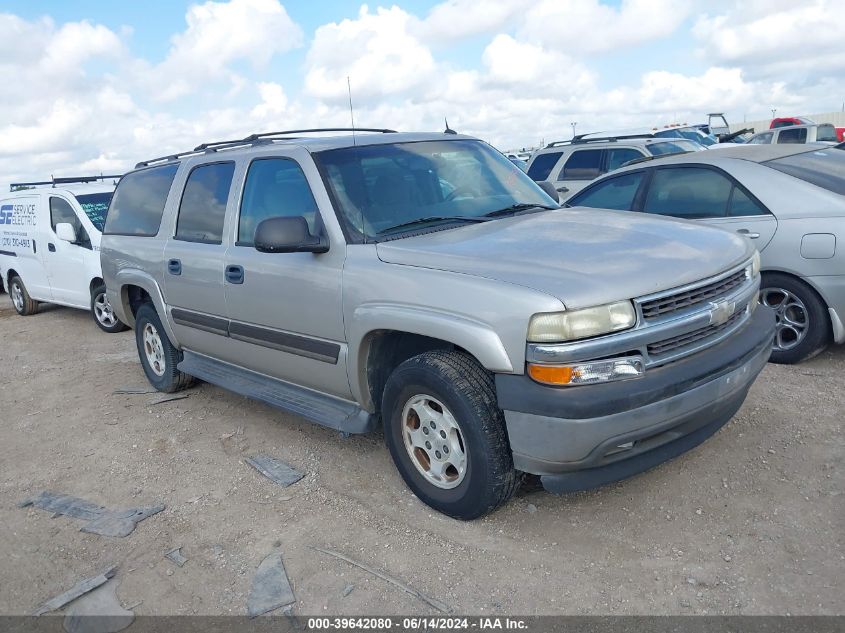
[[721, 311]]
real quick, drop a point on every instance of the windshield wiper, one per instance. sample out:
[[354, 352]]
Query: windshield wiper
[[432, 218], [516, 208]]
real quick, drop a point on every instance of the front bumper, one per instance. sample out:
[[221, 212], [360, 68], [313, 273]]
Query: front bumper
[[582, 437]]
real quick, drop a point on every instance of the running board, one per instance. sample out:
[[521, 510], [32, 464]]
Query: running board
[[329, 411]]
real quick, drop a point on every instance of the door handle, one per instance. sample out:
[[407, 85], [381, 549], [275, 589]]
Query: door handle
[[562, 189], [748, 233], [51, 247], [235, 274], [174, 267]]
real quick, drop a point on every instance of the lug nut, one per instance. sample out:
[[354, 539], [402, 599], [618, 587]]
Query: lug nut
[[445, 449], [425, 430], [433, 425], [428, 445], [437, 453], [443, 434]]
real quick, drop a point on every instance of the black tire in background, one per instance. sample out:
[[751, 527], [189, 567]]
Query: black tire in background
[[780, 291], [152, 343], [26, 305], [101, 311], [468, 392]]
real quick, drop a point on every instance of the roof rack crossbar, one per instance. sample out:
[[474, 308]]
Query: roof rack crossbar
[[64, 180]]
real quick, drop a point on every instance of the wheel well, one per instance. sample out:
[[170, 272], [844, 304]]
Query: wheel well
[[96, 281], [135, 297], [9, 274], [387, 349], [803, 282]]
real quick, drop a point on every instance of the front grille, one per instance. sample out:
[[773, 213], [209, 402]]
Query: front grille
[[670, 344], [672, 303]]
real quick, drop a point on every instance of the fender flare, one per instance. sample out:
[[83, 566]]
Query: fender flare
[[136, 277], [476, 337]]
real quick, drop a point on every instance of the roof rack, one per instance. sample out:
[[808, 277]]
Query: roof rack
[[253, 139], [645, 159], [63, 181], [580, 140]]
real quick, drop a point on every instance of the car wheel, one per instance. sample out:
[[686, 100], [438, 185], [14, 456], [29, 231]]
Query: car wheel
[[23, 303], [159, 357], [447, 435], [102, 311], [803, 325]]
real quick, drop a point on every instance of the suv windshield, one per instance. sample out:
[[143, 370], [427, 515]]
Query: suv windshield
[[826, 133], [96, 207], [823, 168], [404, 187], [676, 146]]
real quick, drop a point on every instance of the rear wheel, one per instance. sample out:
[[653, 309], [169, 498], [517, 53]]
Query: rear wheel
[[24, 304], [159, 357], [102, 312], [447, 435], [803, 325]]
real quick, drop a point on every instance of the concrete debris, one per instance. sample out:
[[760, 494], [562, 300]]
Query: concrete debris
[[98, 612], [175, 555], [270, 587], [347, 590], [79, 589], [101, 520], [274, 469], [393, 581]]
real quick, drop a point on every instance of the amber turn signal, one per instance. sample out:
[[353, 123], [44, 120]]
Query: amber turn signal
[[550, 375]]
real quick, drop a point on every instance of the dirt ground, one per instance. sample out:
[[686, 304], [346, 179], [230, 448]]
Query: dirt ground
[[751, 522]]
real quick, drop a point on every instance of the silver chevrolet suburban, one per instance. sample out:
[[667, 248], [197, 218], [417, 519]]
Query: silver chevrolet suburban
[[424, 282]]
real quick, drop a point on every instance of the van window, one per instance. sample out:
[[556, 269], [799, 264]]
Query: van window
[[584, 164], [275, 187], [61, 211], [542, 166], [138, 202], [203, 207], [96, 207]]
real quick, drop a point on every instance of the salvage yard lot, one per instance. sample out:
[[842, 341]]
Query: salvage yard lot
[[750, 522]]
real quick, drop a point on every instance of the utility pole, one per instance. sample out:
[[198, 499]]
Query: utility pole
[[773, 112], [573, 124]]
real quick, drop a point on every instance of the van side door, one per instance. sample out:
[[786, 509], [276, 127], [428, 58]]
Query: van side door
[[193, 258], [285, 309], [65, 261]]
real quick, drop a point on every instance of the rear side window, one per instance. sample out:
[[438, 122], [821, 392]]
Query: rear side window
[[584, 164], [688, 192], [743, 205], [762, 139], [96, 207], [825, 168], [275, 187], [826, 133], [794, 135], [138, 202], [203, 207], [542, 166], [614, 193]]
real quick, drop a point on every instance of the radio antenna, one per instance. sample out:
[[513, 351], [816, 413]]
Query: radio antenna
[[351, 113]]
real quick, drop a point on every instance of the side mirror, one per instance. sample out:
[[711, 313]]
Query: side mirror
[[288, 235], [65, 232], [550, 190]]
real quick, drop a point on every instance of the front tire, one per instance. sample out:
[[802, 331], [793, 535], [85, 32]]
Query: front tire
[[159, 357], [23, 303], [803, 325], [446, 434], [102, 312]]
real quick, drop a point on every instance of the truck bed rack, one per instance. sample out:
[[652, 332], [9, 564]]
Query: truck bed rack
[[63, 181]]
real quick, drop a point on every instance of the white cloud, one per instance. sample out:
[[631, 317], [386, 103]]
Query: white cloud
[[219, 34], [582, 27], [377, 51], [457, 19]]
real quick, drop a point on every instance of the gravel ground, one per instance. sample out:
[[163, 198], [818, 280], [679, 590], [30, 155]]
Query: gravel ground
[[751, 522]]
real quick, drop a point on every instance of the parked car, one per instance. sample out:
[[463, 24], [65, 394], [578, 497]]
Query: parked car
[[571, 165], [799, 120], [697, 134], [788, 200], [423, 282], [518, 162], [49, 245], [796, 134]]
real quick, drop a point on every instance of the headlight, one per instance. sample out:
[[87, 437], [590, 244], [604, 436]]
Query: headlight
[[755, 265], [577, 324]]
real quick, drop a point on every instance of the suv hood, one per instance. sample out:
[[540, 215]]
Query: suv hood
[[583, 257]]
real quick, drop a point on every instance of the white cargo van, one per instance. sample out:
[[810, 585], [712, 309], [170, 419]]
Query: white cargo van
[[50, 245]]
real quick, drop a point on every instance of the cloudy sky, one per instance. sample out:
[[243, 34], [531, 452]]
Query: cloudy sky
[[97, 86]]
